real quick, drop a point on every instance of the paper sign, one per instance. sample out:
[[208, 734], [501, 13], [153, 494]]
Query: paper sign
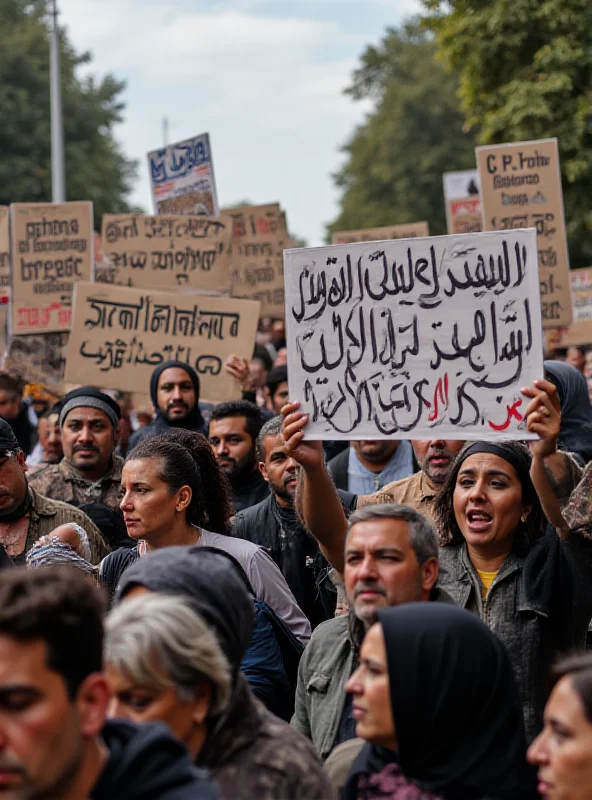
[[410, 231], [120, 335], [38, 358], [415, 339], [260, 236], [580, 331], [162, 252], [4, 251], [182, 178], [462, 200], [520, 188], [52, 249]]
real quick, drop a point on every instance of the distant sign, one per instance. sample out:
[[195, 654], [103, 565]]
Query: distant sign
[[120, 335], [163, 252], [462, 200], [182, 178], [521, 188], [52, 249], [413, 339], [4, 250], [410, 231], [38, 358]]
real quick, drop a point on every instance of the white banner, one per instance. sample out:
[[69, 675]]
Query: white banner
[[415, 339]]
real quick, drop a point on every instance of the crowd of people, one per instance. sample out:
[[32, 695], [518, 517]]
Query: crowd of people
[[201, 602]]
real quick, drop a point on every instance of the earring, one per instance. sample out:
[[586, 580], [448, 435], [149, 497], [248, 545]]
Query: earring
[[524, 518]]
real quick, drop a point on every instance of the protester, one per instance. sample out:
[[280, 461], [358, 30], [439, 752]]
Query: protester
[[15, 411], [562, 750], [277, 337], [234, 428], [174, 390], [250, 752], [25, 514], [277, 389], [436, 700], [56, 742], [391, 557], [90, 471], [274, 525], [48, 449], [576, 357], [163, 505], [367, 466], [575, 435]]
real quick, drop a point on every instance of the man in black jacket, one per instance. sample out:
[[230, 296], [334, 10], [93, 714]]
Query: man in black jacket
[[54, 741]]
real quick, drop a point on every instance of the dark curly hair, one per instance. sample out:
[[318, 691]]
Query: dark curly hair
[[527, 533]]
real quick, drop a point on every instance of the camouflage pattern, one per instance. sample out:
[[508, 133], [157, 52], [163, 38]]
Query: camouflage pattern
[[63, 482]]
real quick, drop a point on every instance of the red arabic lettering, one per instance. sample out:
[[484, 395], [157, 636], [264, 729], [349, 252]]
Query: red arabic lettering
[[513, 413]]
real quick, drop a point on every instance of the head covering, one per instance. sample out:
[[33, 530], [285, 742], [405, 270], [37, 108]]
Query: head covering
[[110, 522], [455, 703], [8, 440], [208, 578], [575, 434], [89, 397], [51, 551], [193, 376], [505, 450]]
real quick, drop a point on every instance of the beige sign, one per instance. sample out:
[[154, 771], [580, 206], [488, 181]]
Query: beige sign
[[38, 358], [411, 231], [161, 252], [521, 188], [4, 250], [120, 335], [260, 236], [51, 252], [580, 331]]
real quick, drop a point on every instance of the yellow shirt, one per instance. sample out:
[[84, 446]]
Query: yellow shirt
[[486, 578]]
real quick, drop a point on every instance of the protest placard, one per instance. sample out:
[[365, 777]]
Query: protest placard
[[38, 358], [462, 201], [521, 188], [52, 249], [415, 339], [260, 236], [580, 331], [120, 335], [410, 231], [182, 178], [168, 252], [4, 251]]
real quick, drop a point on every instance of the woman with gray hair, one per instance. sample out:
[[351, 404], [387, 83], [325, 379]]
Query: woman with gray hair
[[164, 664]]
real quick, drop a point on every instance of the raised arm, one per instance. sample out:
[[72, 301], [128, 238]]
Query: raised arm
[[317, 501]]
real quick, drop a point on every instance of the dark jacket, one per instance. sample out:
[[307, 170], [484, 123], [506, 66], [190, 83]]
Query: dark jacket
[[147, 763], [160, 425], [249, 491], [253, 754], [23, 429]]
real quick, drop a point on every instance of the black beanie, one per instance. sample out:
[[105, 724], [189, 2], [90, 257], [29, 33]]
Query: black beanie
[[166, 365]]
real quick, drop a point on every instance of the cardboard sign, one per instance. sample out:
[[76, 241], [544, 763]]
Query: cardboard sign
[[580, 331], [521, 188], [120, 335], [410, 231], [4, 251], [415, 339], [182, 178], [162, 252], [260, 236], [462, 200], [38, 358], [52, 249]]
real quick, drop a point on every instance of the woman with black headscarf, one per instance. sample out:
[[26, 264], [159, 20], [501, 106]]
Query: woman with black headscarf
[[436, 700], [575, 433], [498, 560]]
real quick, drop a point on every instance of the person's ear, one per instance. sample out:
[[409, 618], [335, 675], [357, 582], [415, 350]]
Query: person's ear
[[184, 495], [430, 570], [92, 700], [263, 470], [203, 700], [526, 512]]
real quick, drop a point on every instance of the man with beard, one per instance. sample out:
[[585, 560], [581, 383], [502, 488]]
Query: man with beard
[[89, 472], [274, 525], [234, 428], [174, 390]]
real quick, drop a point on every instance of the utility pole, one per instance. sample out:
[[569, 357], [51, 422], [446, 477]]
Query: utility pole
[[165, 131], [58, 170]]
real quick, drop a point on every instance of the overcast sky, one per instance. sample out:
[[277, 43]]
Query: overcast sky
[[265, 78]]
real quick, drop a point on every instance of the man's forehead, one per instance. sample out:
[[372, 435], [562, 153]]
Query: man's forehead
[[377, 533], [20, 658], [228, 425], [274, 443], [174, 375], [87, 414]]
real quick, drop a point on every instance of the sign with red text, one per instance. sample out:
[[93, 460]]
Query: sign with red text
[[182, 178], [462, 200]]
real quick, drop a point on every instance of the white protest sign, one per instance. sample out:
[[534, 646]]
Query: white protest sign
[[415, 339], [182, 177]]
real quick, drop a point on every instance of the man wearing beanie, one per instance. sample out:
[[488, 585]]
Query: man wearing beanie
[[90, 472], [174, 389]]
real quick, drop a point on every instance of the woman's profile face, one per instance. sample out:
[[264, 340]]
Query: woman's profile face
[[488, 502], [148, 505], [369, 686], [562, 751]]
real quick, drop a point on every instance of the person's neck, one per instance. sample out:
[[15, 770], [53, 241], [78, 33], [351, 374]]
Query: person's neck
[[94, 761], [487, 559], [92, 475], [181, 534], [281, 501], [374, 466], [244, 477]]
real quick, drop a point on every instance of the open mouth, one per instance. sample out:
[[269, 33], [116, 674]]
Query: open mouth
[[479, 520]]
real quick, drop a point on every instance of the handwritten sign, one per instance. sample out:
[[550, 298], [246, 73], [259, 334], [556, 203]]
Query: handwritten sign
[[409, 231], [38, 358], [463, 203], [120, 335], [182, 177], [580, 331], [415, 339], [521, 188], [260, 236], [4, 251], [162, 252], [52, 249]]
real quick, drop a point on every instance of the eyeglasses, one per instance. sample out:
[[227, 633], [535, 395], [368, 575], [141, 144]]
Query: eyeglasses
[[6, 455]]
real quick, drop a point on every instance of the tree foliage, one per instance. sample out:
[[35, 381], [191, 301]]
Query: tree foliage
[[395, 159], [96, 168], [525, 70]]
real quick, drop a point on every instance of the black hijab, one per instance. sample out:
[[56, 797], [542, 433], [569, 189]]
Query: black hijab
[[575, 434], [194, 420], [210, 581], [455, 703]]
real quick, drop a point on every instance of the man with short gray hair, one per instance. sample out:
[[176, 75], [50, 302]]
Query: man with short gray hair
[[391, 558]]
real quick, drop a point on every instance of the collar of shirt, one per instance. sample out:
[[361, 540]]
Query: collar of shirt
[[361, 480]]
